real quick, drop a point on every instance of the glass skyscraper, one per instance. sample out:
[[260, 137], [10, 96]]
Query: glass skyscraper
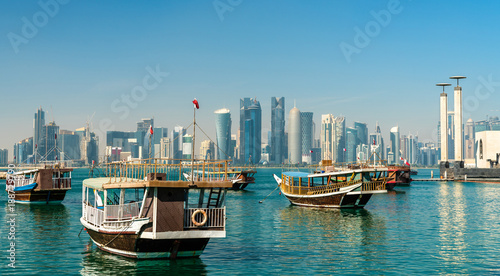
[[306, 124], [250, 130], [351, 144], [223, 133], [277, 139]]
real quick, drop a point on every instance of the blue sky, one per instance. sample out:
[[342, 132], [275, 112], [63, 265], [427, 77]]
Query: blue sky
[[86, 56]]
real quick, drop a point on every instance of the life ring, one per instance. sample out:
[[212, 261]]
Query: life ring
[[205, 217]]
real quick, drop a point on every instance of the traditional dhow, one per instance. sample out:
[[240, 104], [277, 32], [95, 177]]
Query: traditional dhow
[[398, 175], [150, 211], [46, 185], [335, 189]]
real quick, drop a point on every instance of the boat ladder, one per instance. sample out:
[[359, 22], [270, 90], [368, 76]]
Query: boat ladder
[[214, 197]]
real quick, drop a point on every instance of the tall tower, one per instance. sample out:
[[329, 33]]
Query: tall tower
[[38, 124], [277, 141], [327, 137], [223, 133], [294, 136], [444, 123], [306, 126], [250, 130], [395, 144], [458, 120]]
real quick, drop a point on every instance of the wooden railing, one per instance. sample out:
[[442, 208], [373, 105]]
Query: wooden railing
[[61, 183], [216, 218], [21, 181], [139, 170]]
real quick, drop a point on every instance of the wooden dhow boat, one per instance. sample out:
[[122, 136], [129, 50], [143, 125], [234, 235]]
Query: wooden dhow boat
[[333, 189], [47, 185], [148, 210]]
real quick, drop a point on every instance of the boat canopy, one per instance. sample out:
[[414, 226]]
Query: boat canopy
[[296, 174], [96, 183], [101, 183]]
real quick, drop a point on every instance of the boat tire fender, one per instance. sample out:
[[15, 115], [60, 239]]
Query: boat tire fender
[[205, 217]]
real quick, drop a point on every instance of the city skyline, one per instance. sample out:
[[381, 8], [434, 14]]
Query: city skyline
[[154, 66]]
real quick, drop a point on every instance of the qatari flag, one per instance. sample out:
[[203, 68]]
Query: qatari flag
[[195, 102]]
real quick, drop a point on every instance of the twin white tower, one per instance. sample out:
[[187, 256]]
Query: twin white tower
[[457, 119]]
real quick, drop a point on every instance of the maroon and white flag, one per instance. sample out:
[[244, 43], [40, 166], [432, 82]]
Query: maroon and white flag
[[151, 130], [195, 102]]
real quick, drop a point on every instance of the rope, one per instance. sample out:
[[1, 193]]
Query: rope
[[119, 233]]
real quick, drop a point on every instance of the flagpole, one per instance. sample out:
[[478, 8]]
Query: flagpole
[[192, 146]]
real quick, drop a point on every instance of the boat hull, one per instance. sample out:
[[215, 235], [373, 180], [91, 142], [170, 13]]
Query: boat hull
[[332, 201], [132, 246], [40, 197]]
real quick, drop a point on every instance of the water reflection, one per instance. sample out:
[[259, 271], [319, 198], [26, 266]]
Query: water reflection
[[335, 236], [452, 224], [97, 262]]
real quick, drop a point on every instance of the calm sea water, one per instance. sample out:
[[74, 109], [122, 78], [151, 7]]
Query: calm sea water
[[428, 228]]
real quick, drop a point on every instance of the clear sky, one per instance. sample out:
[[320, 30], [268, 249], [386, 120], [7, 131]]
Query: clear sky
[[126, 60]]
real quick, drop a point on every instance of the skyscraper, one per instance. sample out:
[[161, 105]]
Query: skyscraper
[[250, 130], [38, 123], [277, 141], [176, 143], [187, 144], [223, 133], [142, 140], [207, 150], [377, 144], [306, 124], [362, 132], [294, 136], [395, 145], [340, 138], [351, 144], [327, 137], [4, 157]]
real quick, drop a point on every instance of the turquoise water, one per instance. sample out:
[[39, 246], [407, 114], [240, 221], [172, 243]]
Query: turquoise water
[[428, 228]]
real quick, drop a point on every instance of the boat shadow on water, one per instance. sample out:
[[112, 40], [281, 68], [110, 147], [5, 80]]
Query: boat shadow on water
[[97, 262]]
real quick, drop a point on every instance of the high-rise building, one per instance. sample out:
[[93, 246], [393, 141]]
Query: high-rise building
[[362, 131], [38, 123], [340, 139], [306, 126], [176, 143], [125, 140], [69, 144], [377, 145], [351, 144], [294, 136], [395, 146], [47, 146], [223, 133], [277, 141], [327, 137], [333, 135], [207, 150], [250, 130], [469, 139], [142, 137], [187, 144], [165, 147], [4, 157], [23, 150]]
